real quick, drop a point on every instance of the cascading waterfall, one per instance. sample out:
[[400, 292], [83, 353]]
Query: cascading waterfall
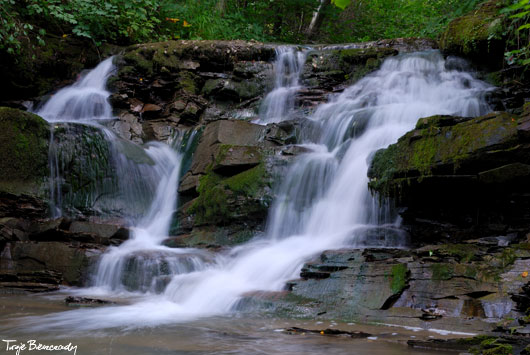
[[279, 103], [136, 174], [85, 100], [141, 263], [323, 203]]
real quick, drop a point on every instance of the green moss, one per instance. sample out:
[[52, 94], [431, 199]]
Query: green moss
[[211, 205], [441, 272], [211, 85], [475, 340], [24, 147], [222, 152], [507, 258], [187, 82], [398, 278], [247, 183], [215, 204], [419, 152], [138, 60], [500, 349], [464, 252], [465, 34]]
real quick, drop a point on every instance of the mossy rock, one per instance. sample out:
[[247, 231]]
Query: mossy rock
[[443, 145], [224, 200], [173, 56], [24, 139], [478, 35]]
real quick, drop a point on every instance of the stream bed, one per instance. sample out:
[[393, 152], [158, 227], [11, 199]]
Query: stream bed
[[218, 335]]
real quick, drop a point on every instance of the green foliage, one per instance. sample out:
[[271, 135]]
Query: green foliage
[[134, 21], [378, 19], [518, 30]]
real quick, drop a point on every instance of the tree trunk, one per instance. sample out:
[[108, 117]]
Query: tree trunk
[[318, 17]]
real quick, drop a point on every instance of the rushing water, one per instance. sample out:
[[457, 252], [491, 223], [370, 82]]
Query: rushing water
[[323, 204], [136, 174], [280, 102]]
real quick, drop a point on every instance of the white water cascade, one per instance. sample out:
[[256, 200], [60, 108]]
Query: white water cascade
[[85, 100], [323, 202], [141, 263], [280, 102]]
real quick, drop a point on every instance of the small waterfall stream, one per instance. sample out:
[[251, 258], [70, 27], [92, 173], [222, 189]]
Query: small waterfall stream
[[280, 102], [323, 202]]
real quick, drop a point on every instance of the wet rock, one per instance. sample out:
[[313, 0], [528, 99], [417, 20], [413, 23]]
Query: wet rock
[[466, 288], [296, 330], [473, 171], [49, 263], [326, 70], [85, 301], [32, 281]]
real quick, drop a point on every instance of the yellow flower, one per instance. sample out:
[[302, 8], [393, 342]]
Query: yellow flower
[[186, 24], [65, 35], [322, 332], [524, 274]]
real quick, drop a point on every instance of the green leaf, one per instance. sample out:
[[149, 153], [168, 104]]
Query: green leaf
[[520, 14], [341, 3]]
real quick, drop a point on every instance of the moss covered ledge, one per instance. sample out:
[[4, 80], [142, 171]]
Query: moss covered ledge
[[446, 147]]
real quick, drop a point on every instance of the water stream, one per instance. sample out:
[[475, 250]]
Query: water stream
[[322, 204], [280, 102]]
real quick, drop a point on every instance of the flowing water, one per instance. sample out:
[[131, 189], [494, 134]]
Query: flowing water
[[133, 174], [279, 104], [323, 203]]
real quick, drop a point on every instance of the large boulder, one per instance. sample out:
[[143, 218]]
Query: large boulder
[[477, 35], [459, 176], [44, 266], [228, 188]]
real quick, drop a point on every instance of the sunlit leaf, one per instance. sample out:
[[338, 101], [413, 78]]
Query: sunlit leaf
[[341, 3]]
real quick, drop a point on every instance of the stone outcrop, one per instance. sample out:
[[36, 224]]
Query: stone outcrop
[[43, 254], [477, 35], [178, 84], [332, 70], [24, 146], [459, 177], [468, 287], [228, 187]]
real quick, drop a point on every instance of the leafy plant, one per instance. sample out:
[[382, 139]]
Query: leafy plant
[[518, 47]]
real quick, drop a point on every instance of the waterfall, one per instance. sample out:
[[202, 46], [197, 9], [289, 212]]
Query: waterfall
[[140, 264], [280, 102], [132, 173], [323, 202], [85, 100]]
